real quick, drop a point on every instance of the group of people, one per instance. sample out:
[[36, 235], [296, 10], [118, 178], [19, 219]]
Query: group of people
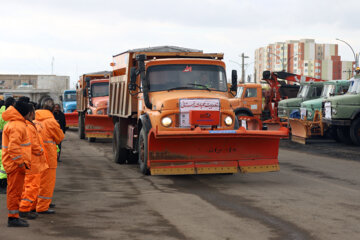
[[29, 158]]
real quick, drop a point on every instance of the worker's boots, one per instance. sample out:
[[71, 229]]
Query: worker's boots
[[29, 215], [17, 222]]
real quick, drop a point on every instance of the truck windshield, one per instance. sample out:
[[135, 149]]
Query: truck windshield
[[239, 92], [327, 90], [69, 97], [303, 91], [100, 89], [193, 77], [354, 87]]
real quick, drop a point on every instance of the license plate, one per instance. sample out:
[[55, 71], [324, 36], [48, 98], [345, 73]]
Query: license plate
[[303, 113], [204, 118], [328, 110]]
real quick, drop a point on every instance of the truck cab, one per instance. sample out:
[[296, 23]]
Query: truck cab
[[331, 88], [248, 100], [308, 91], [69, 101], [98, 97], [343, 113]]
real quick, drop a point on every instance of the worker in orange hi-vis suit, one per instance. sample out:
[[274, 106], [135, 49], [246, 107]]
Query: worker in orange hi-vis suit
[[38, 165], [52, 135], [16, 154]]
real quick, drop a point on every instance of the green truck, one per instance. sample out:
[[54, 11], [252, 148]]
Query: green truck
[[331, 88], [343, 113], [308, 91], [310, 123]]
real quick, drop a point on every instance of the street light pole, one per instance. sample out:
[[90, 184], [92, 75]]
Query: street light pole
[[282, 60], [355, 56], [243, 67]]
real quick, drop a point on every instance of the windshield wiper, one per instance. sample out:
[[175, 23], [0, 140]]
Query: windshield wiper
[[179, 88], [200, 85]]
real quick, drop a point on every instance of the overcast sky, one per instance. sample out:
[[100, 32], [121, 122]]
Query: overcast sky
[[82, 36]]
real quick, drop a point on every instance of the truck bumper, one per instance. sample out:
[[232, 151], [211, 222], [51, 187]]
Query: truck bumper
[[213, 151], [337, 122], [72, 119]]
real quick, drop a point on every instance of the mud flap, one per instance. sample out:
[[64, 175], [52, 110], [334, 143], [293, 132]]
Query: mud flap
[[98, 126], [213, 151], [72, 119]]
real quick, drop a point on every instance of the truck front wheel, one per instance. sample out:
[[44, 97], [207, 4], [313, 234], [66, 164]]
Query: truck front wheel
[[143, 152], [120, 153], [343, 134], [355, 132]]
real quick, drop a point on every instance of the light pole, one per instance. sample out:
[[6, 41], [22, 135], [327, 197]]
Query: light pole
[[242, 67], [281, 59], [355, 55]]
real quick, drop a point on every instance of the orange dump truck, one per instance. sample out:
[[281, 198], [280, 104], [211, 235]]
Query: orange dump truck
[[92, 95], [172, 114]]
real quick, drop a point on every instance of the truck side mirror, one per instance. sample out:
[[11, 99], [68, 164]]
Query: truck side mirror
[[266, 75], [132, 84], [61, 98], [233, 81]]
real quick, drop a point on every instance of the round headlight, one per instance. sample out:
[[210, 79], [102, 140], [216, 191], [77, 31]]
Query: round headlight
[[166, 121], [309, 113], [228, 121], [334, 111]]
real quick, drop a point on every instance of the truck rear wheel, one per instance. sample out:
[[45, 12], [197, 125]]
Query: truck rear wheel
[[143, 152], [81, 128], [355, 132], [120, 153], [343, 134]]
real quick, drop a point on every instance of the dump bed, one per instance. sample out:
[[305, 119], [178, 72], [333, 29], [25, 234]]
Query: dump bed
[[121, 103]]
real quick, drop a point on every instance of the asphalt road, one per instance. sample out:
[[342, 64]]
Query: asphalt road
[[313, 196]]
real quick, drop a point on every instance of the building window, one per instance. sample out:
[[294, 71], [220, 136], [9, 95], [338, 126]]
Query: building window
[[306, 64]]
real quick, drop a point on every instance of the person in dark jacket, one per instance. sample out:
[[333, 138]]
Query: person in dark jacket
[[60, 118]]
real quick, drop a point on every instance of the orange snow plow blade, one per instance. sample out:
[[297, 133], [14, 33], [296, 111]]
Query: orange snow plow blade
[[98, 126], [301, 130], [213, 151], [298, 128], [72, 119]]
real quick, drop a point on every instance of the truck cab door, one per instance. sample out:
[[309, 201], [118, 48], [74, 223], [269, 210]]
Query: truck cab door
[[253, 100]]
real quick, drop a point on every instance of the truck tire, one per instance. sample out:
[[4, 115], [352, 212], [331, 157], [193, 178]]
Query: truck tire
[[343, 134], [81, 128], [355, 131], [143, 152], [120, 153]]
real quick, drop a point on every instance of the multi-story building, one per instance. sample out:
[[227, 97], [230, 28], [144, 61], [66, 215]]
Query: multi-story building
[[304, 57], [33, 86]]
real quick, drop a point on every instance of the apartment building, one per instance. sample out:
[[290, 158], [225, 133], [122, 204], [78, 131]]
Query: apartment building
[[304, 57]]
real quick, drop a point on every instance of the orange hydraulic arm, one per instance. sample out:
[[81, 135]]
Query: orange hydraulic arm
[[272, 79]]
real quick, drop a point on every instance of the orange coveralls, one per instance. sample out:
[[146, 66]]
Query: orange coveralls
[[38, 165], [52, 135], [16, 151]]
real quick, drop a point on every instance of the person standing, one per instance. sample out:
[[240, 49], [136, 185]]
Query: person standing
[[16, 151], [38, 165], [60, 118], [10, 101], [52, 135]]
